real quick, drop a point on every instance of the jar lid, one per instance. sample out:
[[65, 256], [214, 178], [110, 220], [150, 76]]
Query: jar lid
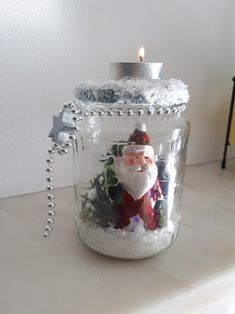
[[131, 91]]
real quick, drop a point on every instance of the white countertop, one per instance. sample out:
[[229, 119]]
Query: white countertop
[[63, 276]]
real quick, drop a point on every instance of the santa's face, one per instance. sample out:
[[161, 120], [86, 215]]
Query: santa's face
[[137, 172], [137, 159]]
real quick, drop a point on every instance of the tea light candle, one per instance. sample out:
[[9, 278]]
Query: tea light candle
[[140, 70]]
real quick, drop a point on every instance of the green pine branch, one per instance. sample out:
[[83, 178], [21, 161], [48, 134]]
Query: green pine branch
[[99, 211]]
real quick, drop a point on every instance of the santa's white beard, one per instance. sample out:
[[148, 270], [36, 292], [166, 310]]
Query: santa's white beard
[[136, 182]]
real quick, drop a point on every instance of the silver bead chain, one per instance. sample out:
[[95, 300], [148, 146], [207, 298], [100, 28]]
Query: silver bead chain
[[79, 113], [172, 110], [61, 150], [50, 196]]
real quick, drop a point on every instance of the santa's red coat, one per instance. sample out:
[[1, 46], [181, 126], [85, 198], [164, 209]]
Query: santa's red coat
[[143, 207]]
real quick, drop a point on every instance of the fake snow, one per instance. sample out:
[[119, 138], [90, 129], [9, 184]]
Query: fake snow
[[131, 91], [92, 194], [121, 243]]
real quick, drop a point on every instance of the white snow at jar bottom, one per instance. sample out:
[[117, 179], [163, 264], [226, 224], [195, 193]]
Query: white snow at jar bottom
[[124, 244]]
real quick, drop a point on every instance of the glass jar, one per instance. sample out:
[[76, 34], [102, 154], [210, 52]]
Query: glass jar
[[129, 163]]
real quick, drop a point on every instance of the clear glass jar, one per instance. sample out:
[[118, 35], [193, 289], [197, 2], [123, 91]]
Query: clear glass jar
[[129, 166]]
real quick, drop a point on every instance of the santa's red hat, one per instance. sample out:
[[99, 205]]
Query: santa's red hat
[[139, 141]]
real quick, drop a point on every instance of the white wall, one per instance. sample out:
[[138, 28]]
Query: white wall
[[48, 46]]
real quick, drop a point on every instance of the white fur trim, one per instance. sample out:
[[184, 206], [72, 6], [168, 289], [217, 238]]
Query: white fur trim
[[147, 149], [141, 127]]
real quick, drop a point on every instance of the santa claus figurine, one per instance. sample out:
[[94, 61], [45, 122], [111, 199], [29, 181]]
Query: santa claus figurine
[[138, 192]]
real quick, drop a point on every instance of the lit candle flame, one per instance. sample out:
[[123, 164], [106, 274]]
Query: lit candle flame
[[141, 54]]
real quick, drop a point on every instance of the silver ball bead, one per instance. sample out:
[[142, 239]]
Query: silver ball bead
[[74, 110], [92, 113], [48, 228], [110, 113], [51, 205], [150, 112], [101, 112], [160, 111], [46, 235], [50, 188], [60, 152], [167, 111], [119, 112], [50, 221], [140, 112], [72, 137], [51, 213], [174, 110], [76, 128], [65, 150], [50, 197], [50, 179], [49, 169], [51, 151], [50, 160], [68, 144], [130, 112], [75, 118]]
